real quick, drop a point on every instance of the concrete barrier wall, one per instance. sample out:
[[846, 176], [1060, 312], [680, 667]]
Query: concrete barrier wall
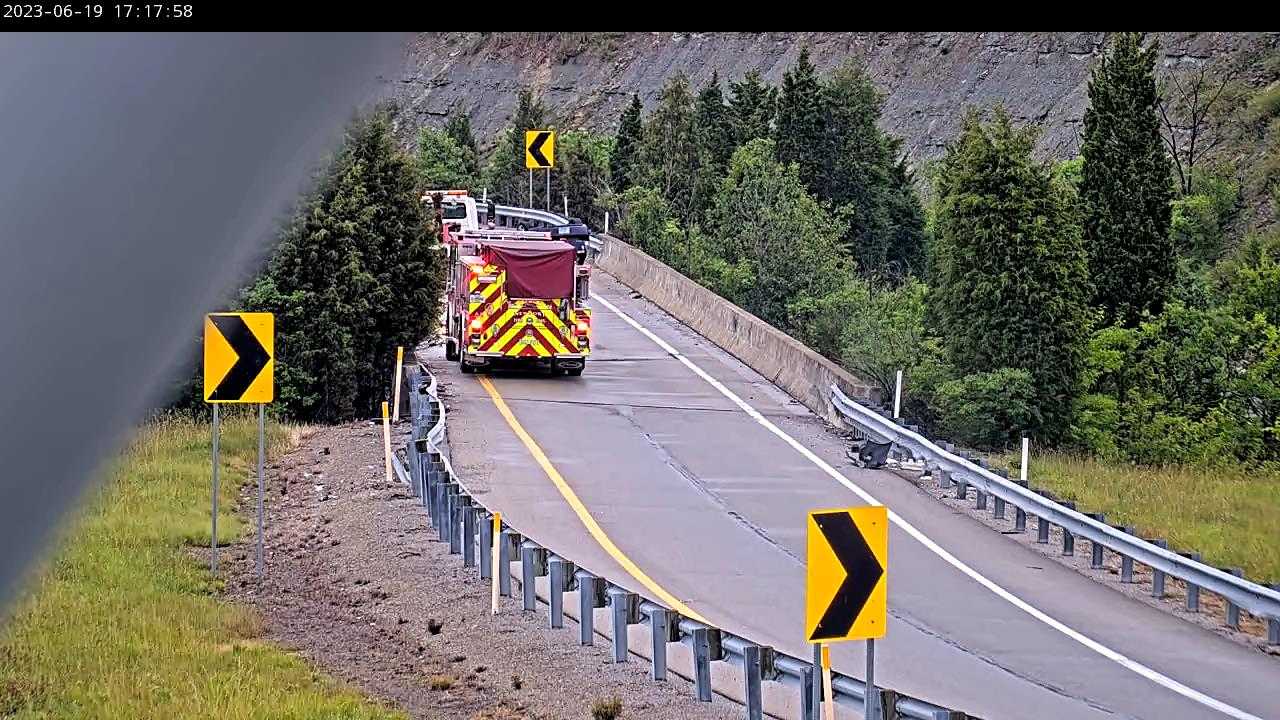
[[792, 366]]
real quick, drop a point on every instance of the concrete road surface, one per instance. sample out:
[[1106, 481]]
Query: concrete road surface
[[655, 478]]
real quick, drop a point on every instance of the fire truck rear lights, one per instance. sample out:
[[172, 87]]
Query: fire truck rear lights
[[476, 325], [583, 328]]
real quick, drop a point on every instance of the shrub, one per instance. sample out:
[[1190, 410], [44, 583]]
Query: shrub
[[609, 709], [987, 410]]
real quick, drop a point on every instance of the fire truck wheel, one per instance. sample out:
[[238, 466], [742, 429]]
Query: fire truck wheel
[[450, 349], [463, 366], [575, 372]]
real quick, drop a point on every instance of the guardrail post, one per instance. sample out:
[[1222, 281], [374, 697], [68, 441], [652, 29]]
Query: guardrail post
[[702, 664], [944, 479], [507, 541], [486, 544], [1273, 624], [468, 531], [1126, 562], [1042, 530], [982, 499], [528, 571], [557, 568], [998, 510], [1095, 548], [1068, 540], [621, 607], [751, 669], [659, 632], [437, 512], [962, 489], [1157, 576], [1193, 590], [586, 607], [454, 516], [808, 686], [1233, 610], [1020, 515], [411, 460]]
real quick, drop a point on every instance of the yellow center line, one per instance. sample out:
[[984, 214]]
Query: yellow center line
[[583, 514]]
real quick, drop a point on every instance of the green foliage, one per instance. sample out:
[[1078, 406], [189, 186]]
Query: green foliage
[[506, 176], [459, 130], [1265, 105], [355, 275], [763, 217], [752, 108], [713, 136], [871, 329], [649, 221], [626, 145], [800, 132], [582, 173], [1126, 186], [441, 163], [1010, 268], [988, 409], [669, 152]]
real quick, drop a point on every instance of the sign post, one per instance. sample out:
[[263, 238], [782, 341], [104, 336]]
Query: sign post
[[239, 367], [846, 595], [540, 154]]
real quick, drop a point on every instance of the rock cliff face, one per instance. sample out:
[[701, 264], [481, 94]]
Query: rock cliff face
[[928, 79]]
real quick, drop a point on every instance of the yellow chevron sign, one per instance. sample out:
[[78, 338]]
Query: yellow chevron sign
[[848, 559], [239, 358], [539, 149]]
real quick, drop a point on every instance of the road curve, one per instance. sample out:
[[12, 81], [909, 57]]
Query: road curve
[[705, 502]]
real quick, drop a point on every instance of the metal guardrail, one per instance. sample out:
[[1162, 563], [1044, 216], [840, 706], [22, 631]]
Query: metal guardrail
[[464, 522], [544, 217], [964, 473]]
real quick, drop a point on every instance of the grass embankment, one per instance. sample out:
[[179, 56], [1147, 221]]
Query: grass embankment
[[1231, 516], [123, 622]]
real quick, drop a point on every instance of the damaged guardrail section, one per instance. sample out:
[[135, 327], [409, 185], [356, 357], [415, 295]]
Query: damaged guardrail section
[[964, 473], [463, 522]]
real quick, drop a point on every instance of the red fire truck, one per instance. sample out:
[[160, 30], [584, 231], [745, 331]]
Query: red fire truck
[[516, 298]]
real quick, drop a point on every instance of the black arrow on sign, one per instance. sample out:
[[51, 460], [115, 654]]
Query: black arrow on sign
[[535, 148], [251, 357], [862, 572]]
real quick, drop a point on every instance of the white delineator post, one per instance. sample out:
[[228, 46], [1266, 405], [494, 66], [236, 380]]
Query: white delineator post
[[386, 439], [1026, 455], [897, 397], [566, 206], [395, 411], [606, 222]]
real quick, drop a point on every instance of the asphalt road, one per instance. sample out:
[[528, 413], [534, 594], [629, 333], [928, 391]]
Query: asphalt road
[[693, 497]]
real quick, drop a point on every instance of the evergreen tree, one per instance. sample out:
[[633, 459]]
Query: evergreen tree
[[1127, 185], [459, 130], [625, 146], [856, 166], [752, 109], [714, 138], [355, 275], [906, 247], [801, 126], [506, 177], [581, 175], [669, 153], [1011, 267], [763, 219]]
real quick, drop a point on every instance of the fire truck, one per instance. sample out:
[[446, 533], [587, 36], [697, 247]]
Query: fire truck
[[515, 298]]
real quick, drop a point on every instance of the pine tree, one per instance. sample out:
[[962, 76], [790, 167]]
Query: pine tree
[[668, 158], [752, 109], [800, 129], [441, 163], [625, 146], [1127, 185], [355, 275], [1011, 266], [581, 174], [506, 177], [714, 138], [459, 130]]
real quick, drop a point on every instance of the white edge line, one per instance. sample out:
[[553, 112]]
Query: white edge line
[[1113, 655]]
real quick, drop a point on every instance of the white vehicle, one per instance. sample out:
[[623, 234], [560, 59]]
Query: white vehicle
[[457, 209]]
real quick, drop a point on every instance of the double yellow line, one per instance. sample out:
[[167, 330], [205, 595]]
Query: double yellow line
[[581, 511]]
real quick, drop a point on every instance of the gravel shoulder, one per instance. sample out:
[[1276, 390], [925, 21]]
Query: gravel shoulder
[[357, 583]]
